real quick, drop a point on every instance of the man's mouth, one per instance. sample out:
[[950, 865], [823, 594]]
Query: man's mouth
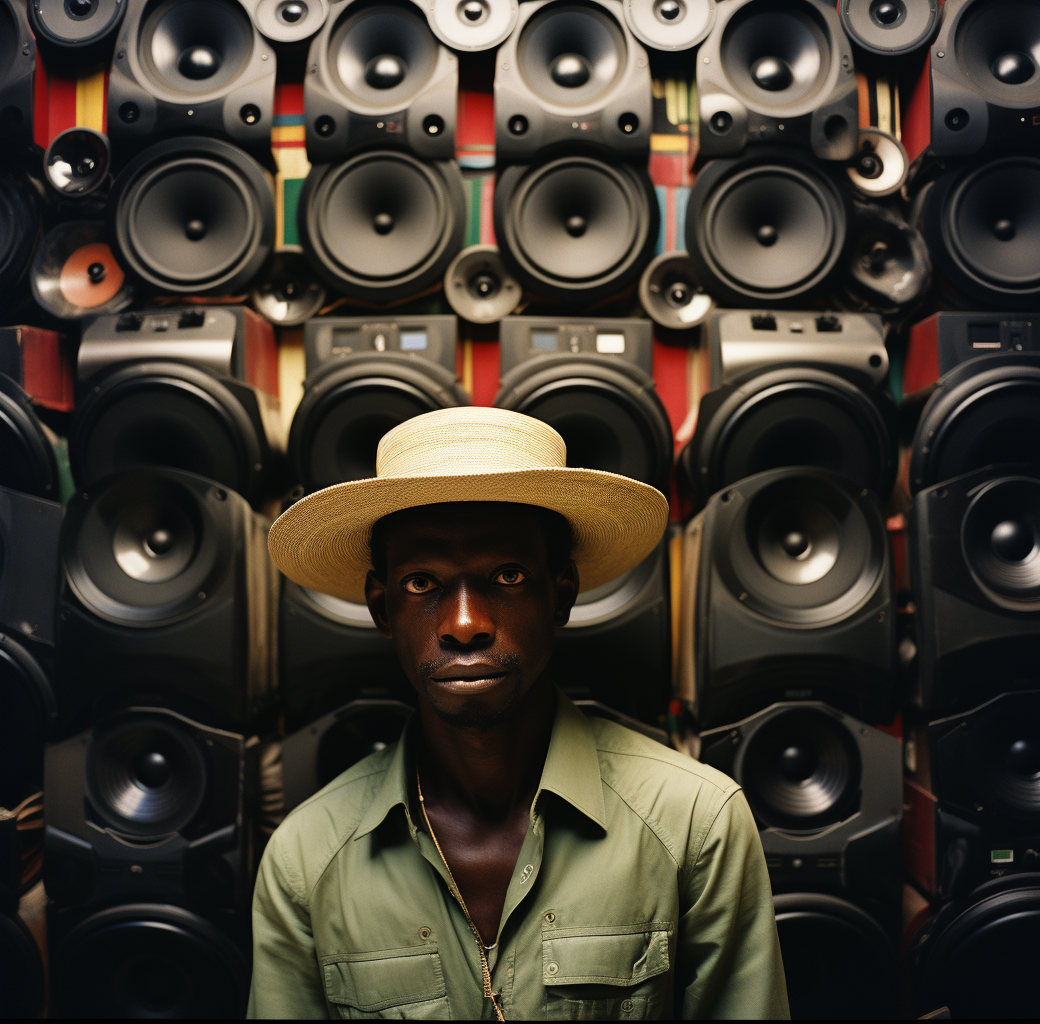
[[467, 676]]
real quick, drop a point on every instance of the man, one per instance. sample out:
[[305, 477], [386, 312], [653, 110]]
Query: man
[[508, 858]]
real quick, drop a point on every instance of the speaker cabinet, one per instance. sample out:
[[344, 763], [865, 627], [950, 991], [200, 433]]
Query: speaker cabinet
[[793, 389], [670, 24], [19, 229], [18, 61], [27, 460], [985, 83], [377, 76], [190, 67], [472, 25], [773, 72], [975, 568], [192, 216], [767, 228], [787, 595], [571, 73], [890, 28], [575, 229], [382, 225], [478, 286], [193, 388], [826, 792], [168, 597], [364, 378], [75, 35], [982, 224], [591, 381], [148, 856]]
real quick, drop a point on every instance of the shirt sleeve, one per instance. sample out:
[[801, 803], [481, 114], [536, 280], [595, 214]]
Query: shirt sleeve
[[286, 977], [729, 954]]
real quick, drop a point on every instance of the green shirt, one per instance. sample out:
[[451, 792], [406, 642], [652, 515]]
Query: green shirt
[[640, 892]]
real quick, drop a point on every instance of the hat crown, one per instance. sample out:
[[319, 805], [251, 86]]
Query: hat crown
[[472, 439]]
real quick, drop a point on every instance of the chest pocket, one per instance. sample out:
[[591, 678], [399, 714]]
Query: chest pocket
[[399, 984], [620, 972]]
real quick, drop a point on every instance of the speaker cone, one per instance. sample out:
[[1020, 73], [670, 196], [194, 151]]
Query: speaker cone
[[19, 228], [608, 414], [362, 730], [890, 28], [290, 21], [145, 548], [472, 24], [575, 229], [383, 225], [192, 215], [144, 960], [27, 460], [983, 225], [838, 962], [670, 294], [479, 287], [670, 24], [346, 410], [880, 166], [286, 293], [764, 229], [26, 711], [997, 45], [75, 25], [76, 162], [166, 414], [74, 273]]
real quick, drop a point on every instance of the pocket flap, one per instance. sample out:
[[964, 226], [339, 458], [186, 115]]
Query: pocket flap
[[385, 977], [611, 955]]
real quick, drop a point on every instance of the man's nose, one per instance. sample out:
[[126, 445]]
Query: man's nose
[[465, 618]]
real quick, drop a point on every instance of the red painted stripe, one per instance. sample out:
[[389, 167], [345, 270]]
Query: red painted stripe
[[917, 120], [40, 105], [301, 144], [288, 98], [669, 369], [61, 103], [485, 372], [475, 123]]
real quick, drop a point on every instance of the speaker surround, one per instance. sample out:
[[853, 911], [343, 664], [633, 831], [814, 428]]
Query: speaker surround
[[383, 225], [777, 72], [890, 28], [575, 229]]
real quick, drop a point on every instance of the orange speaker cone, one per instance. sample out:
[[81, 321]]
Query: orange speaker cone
[[90, 276]]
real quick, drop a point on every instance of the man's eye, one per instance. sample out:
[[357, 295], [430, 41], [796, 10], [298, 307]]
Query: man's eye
[[418, 585], [510, 577]]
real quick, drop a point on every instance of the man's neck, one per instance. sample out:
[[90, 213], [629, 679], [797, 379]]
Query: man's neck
[[488, 772]]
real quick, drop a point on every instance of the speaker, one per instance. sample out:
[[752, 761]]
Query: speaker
[[788, 596], [193, 388], [77, 161], [575, 229], [985, 83], [364, 378], [472, 24], [793, 389], [975, 571], [148, 856], [880, 165], [377, 76], [19, 231], [766, 228], [571, 73], [285, 291], [18, 61], [382, 225], [27, 460], [591, 381], [669, 292], [192, 216], [777, 71], [27, 718], [826, 792], [287, 21], [168, 597], [478, 286], [190, 67], [977, 955], [313, 756], [24, 994], [75, 35], [670, 24], [890, 28], [982, 224]]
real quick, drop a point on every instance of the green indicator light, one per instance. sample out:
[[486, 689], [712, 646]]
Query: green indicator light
[[1001, 856]]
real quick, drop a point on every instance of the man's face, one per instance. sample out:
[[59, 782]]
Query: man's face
[[471, 605]]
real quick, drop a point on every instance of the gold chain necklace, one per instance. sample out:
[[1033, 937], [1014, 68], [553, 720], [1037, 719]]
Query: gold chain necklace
[[481, 948]]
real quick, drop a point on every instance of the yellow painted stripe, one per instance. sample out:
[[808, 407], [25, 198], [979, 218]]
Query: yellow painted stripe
[[884, 105], [289, 133], [668, 143], [467, 367], [90, 102]]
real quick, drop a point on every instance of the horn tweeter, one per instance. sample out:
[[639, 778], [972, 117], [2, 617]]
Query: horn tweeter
[[479, 287], [880, 166], [890, 28], [285, 292], [670, 294], [471, 24], [76, 162], [670, 24]]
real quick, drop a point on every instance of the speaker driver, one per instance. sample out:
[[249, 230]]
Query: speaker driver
[[77, 161], [472, 24], [27, 460], [890, 28], [670, 294], [27, 711], [286, 293], [997, 46], [880, 166], [76, 28], [143, 549], [289, 21], [74, 273], [383, 225], [670, 24], [479, 287], [764, 229], [24, 988], [192, 215], [575, 229], [982, 225], [146, 960], [1005, 744], [19, 229]]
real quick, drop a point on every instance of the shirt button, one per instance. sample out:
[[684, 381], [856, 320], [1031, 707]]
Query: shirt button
[[424, 933], [626, 1006], [550, 917], [552, 969]]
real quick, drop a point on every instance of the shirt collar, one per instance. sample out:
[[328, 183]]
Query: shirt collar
[[571, 770]]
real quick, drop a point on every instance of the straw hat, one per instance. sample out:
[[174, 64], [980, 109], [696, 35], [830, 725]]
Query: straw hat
[[467, 454]]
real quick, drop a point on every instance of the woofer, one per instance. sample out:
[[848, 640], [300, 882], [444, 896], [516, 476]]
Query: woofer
[[192, 215], [575, 229], [76, 31], [997, 46], [670, 24], [765, 229], [382, 225], [27, 460], [890, 28]]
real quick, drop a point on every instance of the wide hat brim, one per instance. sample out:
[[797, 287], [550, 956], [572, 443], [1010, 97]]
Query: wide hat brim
[[322, 541]]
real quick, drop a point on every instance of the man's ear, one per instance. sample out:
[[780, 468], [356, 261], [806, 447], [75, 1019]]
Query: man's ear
[[375, 598], [567, 583]]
